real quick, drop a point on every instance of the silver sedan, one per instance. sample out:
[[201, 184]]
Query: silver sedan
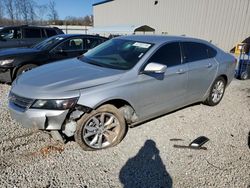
[[119, 84]]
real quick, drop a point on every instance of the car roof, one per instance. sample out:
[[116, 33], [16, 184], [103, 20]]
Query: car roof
[[159, 39], [30, 26], [79, 35]]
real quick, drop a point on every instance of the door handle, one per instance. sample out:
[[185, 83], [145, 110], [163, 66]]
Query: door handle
[[209, 65], [180, 71]]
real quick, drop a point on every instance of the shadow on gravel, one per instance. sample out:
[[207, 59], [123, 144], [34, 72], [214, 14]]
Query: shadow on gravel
[[146, 169]]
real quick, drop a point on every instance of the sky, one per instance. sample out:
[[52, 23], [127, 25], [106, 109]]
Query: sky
[[75, 8]]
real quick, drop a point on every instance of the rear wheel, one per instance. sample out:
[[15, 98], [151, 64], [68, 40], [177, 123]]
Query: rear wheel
[[25, 68], [216, 92], [244, 75], [102, 128]]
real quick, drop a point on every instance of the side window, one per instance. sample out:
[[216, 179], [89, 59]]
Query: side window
[[168, 54], [13, 33], [196, 51], [32, 33], [91, 43], [71, 45], [50, 32]]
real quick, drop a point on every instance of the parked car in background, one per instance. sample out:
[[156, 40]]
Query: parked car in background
[[120, 83], [25, 36], [14, 62]]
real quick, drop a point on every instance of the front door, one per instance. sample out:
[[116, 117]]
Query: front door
[[10, 38], [163, 92], [68, 49]]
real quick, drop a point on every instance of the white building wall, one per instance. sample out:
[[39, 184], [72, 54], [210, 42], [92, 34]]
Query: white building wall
[[225, 22]]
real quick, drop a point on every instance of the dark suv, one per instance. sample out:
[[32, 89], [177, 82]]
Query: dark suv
[[25, 36]]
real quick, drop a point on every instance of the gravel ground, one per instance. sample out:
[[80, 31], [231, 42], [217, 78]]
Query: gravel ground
[[145, 158]]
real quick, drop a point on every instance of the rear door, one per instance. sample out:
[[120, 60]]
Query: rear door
[[163, 92], [202, 68]]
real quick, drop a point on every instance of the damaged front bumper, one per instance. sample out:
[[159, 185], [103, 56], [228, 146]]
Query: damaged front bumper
[[38, 118]]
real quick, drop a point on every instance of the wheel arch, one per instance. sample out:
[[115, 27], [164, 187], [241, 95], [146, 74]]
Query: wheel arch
[[18, 66], [125, 108], [225, 77], [118, 103]]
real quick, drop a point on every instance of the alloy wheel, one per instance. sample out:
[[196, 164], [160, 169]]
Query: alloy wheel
[[218, 91], [101, 130]]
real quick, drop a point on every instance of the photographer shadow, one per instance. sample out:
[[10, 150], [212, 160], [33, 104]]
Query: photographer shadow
[[146, 169]]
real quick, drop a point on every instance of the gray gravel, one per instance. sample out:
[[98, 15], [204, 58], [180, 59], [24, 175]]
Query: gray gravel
[[145, 158]]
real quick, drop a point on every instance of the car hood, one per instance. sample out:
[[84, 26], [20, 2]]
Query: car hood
[[62, 79], [17, 51]]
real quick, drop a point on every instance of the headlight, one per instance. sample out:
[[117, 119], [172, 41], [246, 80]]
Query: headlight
[[6, 62], [60, 104]]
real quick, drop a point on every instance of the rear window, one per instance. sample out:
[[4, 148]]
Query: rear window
[[50, 32], [197, 51], [32, 33]]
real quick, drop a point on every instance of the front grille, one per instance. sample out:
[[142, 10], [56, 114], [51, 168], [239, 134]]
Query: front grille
[[21, 102]]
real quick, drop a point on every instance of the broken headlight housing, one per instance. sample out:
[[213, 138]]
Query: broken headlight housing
[[57, 104]]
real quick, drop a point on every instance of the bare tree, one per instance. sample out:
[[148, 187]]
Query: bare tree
[[23, 9], [53, 15], [32, 12], [42, 10], [1, 10], [87, 20], [92, 20], [10, 9]]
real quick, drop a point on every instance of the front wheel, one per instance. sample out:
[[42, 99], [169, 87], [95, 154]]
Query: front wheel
[[216, 92], [102, 128]]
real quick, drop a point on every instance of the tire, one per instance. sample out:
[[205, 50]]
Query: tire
[[212, 100], [92, 133], [244, 75], [25, 68]]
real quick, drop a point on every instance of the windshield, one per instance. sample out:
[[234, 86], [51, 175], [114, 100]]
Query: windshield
[[117, 53], [48, 43]]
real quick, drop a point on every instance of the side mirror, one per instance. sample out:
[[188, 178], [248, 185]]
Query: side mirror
[[155, 68]]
